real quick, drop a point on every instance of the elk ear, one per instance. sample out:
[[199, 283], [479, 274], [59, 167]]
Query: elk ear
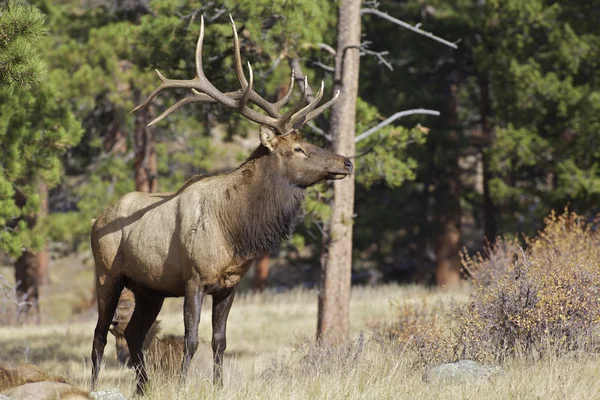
[[268, 137]]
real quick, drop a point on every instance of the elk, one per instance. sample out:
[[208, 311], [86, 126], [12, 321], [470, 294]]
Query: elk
[[202, 239]]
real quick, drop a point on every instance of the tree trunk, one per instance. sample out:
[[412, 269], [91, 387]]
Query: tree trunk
[[26, 276], [145, 155], [31, 268], [489, 208], [336, 260], [448, 211], [43, 256], [261, 273]]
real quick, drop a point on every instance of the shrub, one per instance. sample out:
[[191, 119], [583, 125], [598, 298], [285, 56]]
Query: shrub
[[424, 328], [12, 305], [545, 299]]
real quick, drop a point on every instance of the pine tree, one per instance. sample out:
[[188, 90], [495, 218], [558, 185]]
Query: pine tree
[[21, 26]]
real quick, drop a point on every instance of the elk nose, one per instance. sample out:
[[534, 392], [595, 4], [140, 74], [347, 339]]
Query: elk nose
[[348, 165]]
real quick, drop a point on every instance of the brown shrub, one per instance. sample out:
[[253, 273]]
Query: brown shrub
[[533, 302], [489, 266], [548, 300], [423, 328]]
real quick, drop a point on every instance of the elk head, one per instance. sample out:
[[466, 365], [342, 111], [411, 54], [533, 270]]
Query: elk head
[[302, 163]]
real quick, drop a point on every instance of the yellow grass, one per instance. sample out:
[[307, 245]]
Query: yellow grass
[[270, 355]]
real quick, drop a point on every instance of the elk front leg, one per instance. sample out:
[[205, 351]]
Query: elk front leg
[[222, 302], [192, 306]]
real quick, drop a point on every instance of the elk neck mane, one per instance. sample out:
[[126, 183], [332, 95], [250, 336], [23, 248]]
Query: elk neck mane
[[261, 207], [256, 207]]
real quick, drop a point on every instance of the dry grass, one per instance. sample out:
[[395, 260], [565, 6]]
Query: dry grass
[[270, 355]]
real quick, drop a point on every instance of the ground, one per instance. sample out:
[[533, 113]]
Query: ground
[[270, 353]]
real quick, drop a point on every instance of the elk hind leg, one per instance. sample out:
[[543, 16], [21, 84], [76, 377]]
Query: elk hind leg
[[147, 307], [108, 291], [192, 307]]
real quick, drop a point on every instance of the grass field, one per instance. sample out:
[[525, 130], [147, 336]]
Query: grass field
[[270, 353]]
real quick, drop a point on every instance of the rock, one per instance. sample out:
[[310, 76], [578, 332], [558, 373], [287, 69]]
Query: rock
[[108, 394], [460, 372]]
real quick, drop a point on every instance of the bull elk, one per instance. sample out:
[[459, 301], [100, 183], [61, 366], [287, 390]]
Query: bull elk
[[202, 239]]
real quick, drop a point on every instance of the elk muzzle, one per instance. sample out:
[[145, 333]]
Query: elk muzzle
[[341, 172]]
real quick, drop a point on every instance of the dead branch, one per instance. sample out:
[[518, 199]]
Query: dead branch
[[319, 131], [327, 48], [391, 119], [379, 55], [408, 26], [324, 67]]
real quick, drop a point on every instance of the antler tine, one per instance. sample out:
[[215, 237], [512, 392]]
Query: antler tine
[[237, 56], [197, 97], [290, 113], [299, 116], [166, 84], [271, 108], [182, 102], [248, 91], [315, 113], [281, 102]]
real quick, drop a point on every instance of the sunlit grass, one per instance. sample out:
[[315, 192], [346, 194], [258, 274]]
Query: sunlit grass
[[271, 355]]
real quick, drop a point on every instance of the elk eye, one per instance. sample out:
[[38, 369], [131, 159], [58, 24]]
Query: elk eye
[[299, 150]]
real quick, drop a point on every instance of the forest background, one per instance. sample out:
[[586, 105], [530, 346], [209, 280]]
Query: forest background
[[517, 136]]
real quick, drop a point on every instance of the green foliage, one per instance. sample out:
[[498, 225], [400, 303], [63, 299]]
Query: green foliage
[[542, 58], [21, 26], [36, 128]]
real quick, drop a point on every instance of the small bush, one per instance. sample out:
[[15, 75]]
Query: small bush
[[423, 328], [13, 307], [545, 299]]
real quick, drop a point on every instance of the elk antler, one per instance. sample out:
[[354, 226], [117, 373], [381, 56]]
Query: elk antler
[[204, 92]]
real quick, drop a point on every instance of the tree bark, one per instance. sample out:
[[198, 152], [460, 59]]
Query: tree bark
[[43, 257], [336, 260], [31, 268], [448, 210], [146, 168], [26, 276]]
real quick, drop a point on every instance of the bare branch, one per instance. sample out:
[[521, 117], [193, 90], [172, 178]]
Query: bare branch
[[319, 131], [391, 119], [379, 55], [408, 26], [327, 48], [324, 67]]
